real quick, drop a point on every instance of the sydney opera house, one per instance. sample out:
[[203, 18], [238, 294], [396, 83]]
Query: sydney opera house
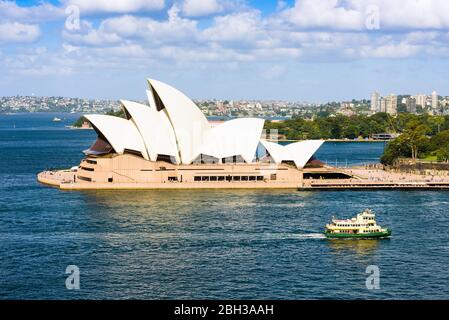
[[169, 143]]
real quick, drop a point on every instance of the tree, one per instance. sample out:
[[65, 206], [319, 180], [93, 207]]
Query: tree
[[394, 150], [78, 123], [438, 121], [414, 136], [443, 154]]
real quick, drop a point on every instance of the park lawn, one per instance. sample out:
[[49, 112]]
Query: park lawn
[[430, 158]]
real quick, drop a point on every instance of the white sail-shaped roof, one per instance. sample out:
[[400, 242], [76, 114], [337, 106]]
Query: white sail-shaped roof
[[238, 137], [301, 152], [189, 123], [276, 151], [298, 152], [155, 129], [121, 133]]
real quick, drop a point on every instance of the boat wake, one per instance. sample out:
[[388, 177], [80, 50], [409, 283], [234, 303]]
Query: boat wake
[[310, 236], [290, 236], [173, 236]]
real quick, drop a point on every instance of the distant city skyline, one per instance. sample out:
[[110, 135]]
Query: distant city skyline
[[305, 50], [433, 103]]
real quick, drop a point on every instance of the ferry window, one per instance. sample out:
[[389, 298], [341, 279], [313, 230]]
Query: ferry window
[[204, 178], [273, 176], [110, 179], [197, 178], [221, 178], [259, 178], [236, 178], [252, 178], [228, 178], [172, 178], [213, 178], [244, 178]]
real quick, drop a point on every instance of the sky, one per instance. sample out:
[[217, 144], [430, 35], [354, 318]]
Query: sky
[[303, 50]]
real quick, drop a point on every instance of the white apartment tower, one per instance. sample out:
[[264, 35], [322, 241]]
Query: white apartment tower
[[410, 102], [383, 105], [375, 102], [434, 100], [421, 100], [391, 104]]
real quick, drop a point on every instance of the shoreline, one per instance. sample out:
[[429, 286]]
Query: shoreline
[[78, 128], [358, 179], [330, 140]]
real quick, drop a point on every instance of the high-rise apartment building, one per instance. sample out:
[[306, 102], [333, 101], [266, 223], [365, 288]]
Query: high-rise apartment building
[[375, 102], [410, 103], [383, 105], [391, 104], [434, 100], [421, 100]]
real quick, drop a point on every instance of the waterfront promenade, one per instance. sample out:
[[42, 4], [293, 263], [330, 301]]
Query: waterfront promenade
[[358, 178], [376, 178]]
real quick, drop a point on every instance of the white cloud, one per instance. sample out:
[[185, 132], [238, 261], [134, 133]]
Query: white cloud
[[46, 70], [414, 14], [131, 28], [281, 5], [69, 48], [238, 38], [93, 38], [422, 36], [248, 36], [116, 6], [200, 8], [203, 54], [196, 8], [18, 32], [322, 14], [133, 50], [354, 14], [244, 27], [273, 72], [10, 11], [45, 11], [391, 51], [36, 62]]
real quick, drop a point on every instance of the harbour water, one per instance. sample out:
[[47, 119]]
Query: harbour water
[[204, 244]]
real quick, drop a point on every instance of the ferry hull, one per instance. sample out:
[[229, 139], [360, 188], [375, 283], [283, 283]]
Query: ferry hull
[[373, 235]]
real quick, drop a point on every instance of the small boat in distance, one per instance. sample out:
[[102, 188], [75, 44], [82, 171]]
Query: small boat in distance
[[56, 119], [363, 226]]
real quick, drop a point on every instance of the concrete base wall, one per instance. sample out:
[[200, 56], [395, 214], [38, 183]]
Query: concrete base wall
[[132, 172]]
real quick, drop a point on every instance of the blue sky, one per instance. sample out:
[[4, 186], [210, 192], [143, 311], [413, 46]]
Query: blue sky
[[303, 50]]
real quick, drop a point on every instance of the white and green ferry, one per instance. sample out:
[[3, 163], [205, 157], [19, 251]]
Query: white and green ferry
[[363, 226]]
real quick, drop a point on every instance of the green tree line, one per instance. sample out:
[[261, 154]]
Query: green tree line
[[421, 136], [419, 141], [351, 127]]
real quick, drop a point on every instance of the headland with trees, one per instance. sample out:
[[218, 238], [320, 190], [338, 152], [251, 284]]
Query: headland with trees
[[419, 136]]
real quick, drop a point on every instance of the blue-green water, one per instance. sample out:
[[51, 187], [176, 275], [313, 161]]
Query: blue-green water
[[204, 244]]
